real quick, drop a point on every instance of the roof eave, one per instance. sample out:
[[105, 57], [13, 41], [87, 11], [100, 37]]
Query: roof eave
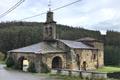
[[86, 48], [22, 52], [53, 52]]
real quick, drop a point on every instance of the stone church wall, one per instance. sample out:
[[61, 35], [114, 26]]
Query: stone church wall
[[30, 57], [37, 58], [47, 58], [100, 47], [101, 58], [88, 57]]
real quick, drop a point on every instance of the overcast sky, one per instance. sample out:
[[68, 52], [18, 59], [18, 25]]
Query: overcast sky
[[91, 14]]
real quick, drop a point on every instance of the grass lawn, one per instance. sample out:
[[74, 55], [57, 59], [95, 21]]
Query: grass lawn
[[109, 69], [2, 62], [65, 77]]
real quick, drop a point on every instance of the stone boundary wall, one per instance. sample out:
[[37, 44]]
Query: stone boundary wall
[[82, 74]]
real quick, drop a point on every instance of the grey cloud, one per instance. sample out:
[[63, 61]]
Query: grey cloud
[[85, 12]]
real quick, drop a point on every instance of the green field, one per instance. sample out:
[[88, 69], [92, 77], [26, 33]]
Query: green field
[[109, 69]]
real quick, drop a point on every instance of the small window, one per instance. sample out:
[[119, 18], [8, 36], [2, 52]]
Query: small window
[[94, 56]]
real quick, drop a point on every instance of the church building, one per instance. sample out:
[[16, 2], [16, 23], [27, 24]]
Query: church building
[[82, 54]]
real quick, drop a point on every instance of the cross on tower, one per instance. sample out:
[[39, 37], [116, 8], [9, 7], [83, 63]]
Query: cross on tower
[[49, 30], [49, 5]]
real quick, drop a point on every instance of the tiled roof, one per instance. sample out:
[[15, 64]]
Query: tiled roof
[[75, 44], [41, 47]]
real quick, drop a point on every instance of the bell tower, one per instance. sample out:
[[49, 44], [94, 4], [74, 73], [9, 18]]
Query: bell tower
[[49, 29]]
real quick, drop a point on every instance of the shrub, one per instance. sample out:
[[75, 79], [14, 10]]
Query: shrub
[[32, 68], [1, 56], [9, 62], [44, 68]]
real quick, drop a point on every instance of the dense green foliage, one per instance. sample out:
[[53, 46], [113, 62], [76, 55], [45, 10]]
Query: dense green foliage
[[9, 62], [19, 34], [31, 67], [112, 48]]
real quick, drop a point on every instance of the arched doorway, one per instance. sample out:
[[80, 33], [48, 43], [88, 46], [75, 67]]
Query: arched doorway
[[20, 62], [84, 65], [56, 62]]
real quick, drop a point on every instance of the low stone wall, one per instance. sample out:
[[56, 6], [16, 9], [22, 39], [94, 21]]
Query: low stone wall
[[82, 74]]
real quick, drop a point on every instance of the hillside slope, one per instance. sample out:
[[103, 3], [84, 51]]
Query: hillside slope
[[19, 34]]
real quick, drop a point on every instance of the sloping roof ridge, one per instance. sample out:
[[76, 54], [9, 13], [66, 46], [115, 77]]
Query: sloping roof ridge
[[87, 39], [66, 40], [70, 40]]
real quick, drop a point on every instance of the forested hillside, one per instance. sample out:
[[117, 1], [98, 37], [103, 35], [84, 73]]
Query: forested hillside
[[112, 48], [19, 34]]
